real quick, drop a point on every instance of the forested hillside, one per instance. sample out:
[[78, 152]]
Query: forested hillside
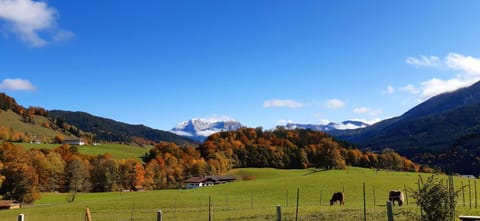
[[109, 130]]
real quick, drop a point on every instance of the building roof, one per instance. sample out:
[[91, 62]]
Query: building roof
[[214, 179]]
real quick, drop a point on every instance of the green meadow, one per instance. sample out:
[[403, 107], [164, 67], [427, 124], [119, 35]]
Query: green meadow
[[254, 199], [118, 151]]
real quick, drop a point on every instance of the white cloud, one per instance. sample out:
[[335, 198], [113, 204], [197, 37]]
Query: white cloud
[[467, 70], [437, 86], [467, 64], [334, 103], [366, 110], [284, 122], [282, 103], [17, 85], [410, 88], [390, 90], [28, 18], [424, 61], [370, 122], [217, 118]]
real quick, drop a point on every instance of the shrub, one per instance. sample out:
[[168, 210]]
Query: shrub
[[435, 199]]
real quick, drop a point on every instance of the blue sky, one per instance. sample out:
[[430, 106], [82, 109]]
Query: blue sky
[[263, 63]]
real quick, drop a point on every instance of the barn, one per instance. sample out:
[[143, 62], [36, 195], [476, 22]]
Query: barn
[[9, 204], [195, 182]]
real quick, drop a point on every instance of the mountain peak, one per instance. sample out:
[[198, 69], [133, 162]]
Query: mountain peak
[[201, 128]]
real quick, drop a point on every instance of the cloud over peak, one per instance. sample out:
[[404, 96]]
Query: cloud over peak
[[27, 19], [282, 103], [366, 110], [17, 84]]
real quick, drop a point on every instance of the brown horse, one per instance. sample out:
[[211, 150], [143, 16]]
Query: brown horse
[[338, 196], [396, 195]]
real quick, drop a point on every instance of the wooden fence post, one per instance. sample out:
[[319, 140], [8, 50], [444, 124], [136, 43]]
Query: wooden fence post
[[159, 215], [209, 208], [389, 211], [320, 197], [279, 213], [251, 200], [364, 204], [21, 217], [475, 186], [406, 192], [88, 217], [469, 193], [286, 200], [298, 199]]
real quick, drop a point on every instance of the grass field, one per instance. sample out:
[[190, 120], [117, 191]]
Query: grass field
[[246, 200], [118, 151]]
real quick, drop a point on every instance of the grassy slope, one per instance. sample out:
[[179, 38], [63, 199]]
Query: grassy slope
[[13, 120], [118, 151], [233, 201]]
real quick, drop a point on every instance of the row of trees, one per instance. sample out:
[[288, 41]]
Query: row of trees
[[281, 148], [26, 173]]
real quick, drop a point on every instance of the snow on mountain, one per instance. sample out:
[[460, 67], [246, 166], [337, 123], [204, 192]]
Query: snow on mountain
[[345, 125], [200, 128]]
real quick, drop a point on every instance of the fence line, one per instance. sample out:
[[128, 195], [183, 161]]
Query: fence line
[[310, 202]]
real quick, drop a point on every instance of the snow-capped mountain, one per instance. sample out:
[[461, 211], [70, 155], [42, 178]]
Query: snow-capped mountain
[[345, 125], [199, 128]]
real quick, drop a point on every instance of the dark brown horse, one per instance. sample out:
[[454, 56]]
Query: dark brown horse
[[338, 196]]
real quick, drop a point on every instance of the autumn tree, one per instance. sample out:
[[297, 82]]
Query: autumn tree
[[41, 165], [2, 178], [390, 160], [132, 173], [155, 177], [77, 175], [21, 181], [104, 176]]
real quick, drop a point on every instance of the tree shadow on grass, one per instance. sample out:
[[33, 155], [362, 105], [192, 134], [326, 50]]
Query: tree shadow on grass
[[314, 170]]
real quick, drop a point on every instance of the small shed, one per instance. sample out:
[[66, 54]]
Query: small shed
[[74, 142], [9, 204]]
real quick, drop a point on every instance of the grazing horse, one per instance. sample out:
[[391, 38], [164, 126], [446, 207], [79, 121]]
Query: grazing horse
[[338, 196], [396, 195]]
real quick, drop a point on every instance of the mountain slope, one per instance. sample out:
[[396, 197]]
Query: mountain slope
[[199, 129], [443, 131], [113, 131], [434, 124]]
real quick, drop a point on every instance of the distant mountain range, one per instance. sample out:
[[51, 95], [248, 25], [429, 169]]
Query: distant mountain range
[[199, 129], [332, 126]]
